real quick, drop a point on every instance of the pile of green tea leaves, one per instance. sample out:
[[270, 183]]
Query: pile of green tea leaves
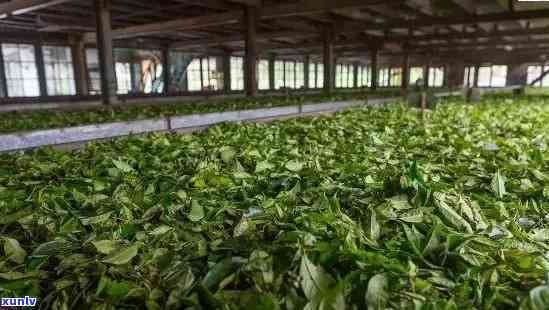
[[46, 119], [372, 208]]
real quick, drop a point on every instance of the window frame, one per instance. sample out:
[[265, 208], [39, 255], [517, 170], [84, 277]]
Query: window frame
[[20, 63]]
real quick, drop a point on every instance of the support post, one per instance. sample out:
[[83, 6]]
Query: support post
[[166, 70], [446, 80], [373, 67], [518, 74], [306, 76], [426, 75], [272, 72], [80, 68], [3, 83], [329, 74], [227, 73], [475, 79], [405, 72], [41, 69], [250, 59], [105, 51], [355, 70]]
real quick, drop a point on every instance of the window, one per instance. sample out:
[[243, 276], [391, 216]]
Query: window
[[312, 75], [237, 73], [20, 69], [193, 75], [289, 74], [59, 70], [396, 77], [339, 76], [263, 74], [299, 75], [319, 75], [436, 77], [416, 73], [210, 75], [469, 77], [534, 72], [492, 76], [123, 77], [202, 74], [279, 74], [484, 76], [364, 78], [140, 70], [383, 77], [345, 76], [94, 73], [499, 76], [351, 76]]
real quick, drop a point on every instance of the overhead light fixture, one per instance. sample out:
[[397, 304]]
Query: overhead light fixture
[[3, 16], [508, 48]]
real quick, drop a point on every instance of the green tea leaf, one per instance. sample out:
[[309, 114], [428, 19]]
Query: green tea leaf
[[122, 256], [105, 246], [376, 295], [498, 185], [197, 212], [14, 251]]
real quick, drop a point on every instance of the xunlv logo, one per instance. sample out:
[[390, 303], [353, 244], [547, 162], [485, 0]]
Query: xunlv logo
[[19, 302]]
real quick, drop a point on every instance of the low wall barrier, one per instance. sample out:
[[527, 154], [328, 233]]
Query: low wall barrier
[[87, 133]]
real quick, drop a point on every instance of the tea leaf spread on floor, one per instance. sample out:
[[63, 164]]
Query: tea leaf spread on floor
[[370, 208]]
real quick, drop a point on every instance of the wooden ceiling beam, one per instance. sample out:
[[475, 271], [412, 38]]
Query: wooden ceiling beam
[[246, 2], [17, 7], [240, 38], [270, 12], [455, 20]]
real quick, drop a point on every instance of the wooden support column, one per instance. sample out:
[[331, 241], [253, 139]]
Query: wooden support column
[[306, 76], [41, 69], [105, 51], [80, 69], [373, 67], [166, 70], [447, 72], [227, 73], [517, 74], [272, 71], [329, 60], [250, 59], [475, 78], [3, 83], [355, 70], [426, 76], [405, 72]]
